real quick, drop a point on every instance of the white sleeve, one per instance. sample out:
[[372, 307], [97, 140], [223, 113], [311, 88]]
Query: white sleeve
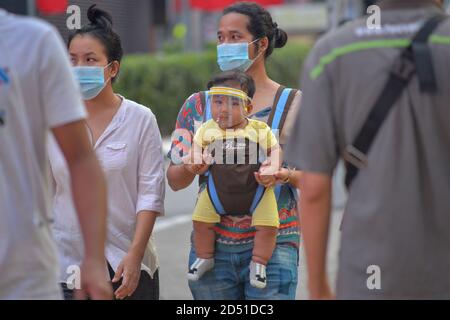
[[151, 179], [60, 97]]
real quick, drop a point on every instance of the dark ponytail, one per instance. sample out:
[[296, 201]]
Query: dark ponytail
[[100, 18], [100, 26], [261, 24], [280, 37]]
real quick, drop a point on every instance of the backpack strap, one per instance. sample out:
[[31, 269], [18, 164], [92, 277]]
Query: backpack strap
[[287, 108], [214, 196], [277, 191], [275, 104], [206, 107], [258, 196], [280, 110], [282, 104], [422, 54], [415, 59]]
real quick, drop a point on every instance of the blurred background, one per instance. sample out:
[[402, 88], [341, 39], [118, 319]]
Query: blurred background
[[170, 45]]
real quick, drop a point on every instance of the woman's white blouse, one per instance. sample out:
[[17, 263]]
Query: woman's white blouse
[[130, 153]]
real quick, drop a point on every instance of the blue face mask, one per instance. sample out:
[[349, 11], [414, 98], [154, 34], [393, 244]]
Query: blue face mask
[[91, 80], [231, 56]]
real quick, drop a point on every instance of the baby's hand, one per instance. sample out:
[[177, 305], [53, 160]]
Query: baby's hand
[[267, 169], [207, 157], [194, 163], [192, 158], [197, 169], [266, 174]]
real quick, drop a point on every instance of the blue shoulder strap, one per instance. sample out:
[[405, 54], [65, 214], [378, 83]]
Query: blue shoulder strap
[[207, 115], [279, 109], [277, 191], [206, 105], [258, 196], [214, 196]]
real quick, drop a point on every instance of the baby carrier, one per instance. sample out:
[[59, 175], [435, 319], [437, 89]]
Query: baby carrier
[[231, 184]]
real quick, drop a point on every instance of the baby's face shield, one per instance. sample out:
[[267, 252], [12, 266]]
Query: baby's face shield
[[229, 106]]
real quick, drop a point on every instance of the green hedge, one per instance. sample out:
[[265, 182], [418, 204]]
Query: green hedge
[[164, 82]]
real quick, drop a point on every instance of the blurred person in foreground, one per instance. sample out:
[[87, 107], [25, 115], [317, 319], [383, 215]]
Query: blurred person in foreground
[[38, 93], [371, 90]]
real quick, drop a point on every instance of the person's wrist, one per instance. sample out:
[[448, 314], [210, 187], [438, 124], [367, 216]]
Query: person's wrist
[[136, 253], [321, 294], [187, 168], [288, 176], [94, 254], [93, 263]]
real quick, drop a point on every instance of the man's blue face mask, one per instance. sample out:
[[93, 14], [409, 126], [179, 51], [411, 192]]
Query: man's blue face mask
[[234, 56], [91, 80]]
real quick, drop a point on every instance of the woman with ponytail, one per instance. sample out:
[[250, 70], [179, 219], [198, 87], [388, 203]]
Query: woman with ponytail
[[246, 38], [127, 141]]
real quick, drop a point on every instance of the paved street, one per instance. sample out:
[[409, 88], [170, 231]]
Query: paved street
[[172, 237]]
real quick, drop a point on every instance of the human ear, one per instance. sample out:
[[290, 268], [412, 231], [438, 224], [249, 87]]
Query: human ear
[[249, 108], [263, 44], [114, 69]]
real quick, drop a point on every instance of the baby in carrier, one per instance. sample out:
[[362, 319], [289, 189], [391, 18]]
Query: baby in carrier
[[234, 146]]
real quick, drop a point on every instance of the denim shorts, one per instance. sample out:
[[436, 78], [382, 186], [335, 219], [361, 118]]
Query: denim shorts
[[229, 280]]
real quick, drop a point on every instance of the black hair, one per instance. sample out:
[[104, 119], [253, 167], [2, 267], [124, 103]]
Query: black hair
[[260, 25], [100, 27], [245, 82]]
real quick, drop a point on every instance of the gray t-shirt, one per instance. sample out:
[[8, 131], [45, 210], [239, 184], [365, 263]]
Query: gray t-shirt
[[398, 210]]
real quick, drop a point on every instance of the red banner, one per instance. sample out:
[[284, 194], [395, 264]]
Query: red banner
[[215, 5], [49, 7]]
